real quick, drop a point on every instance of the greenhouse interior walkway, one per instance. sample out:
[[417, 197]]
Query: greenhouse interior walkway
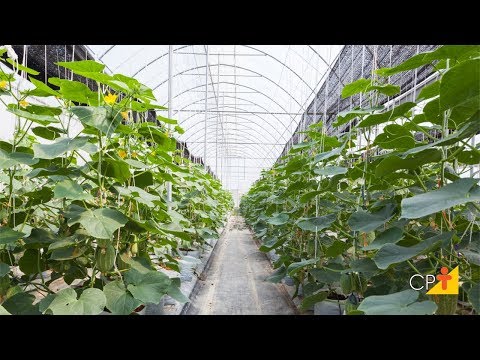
[[235, 280]]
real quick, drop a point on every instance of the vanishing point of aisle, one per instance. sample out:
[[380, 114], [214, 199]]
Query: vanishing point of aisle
[[235, 280]]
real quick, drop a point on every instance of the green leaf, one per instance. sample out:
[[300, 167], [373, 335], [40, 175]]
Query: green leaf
[[39, 119], [459, 192], [386, 89], [347, 115], [174, 291], [82, 66], [305, 198], [330, 170], [102, 118], [7, 160], [39, 238], [472, 257], [393, 163], [293, 268], [8, 236], [67, 253], [32, 262], [317, 223], [444, 52], [117, 169], [327, 275], [395, 136], [389, 236], [474, 297], [91, 302], [277, 275], [99, 223], [167, 120], [49, 132], [70, 190], [329, 154], [270, 243], [400, 303], [42, 89], [390, 115], [45, 303], [75, 91], [21, 67], [119, 300], [429, 91], [21, 304], [279, 219], [149, 287], [366, 222], [4, 269], [393, 254], [311, 300], [337, 248], [58, 147], [460, 84], [358, 86]]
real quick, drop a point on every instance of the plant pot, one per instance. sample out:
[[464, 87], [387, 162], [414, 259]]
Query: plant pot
[[329, 307]]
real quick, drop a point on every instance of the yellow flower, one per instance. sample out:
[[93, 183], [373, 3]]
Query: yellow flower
[[124, 115], [134, 155], [110, 98], [23, 103], [122, 154], [3, 84]]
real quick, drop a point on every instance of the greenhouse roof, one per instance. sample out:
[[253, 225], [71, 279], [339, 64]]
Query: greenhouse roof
[[254, 98]]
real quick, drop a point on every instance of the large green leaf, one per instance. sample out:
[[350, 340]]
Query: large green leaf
[[277, 275], [58, 147], [317, 223], [48, 132], [39, 119], [39, 238], [474, 297], [460, 84], [279, 219], [393, 254], [444, 52], [393, 163], [119, 300], [311, 300], [32, 262], [358, 86], [390, 115], [21, 304], [99, 223], [7, 160], [389, 236], [293, 268], [337, 248], [149, 287], [364, 221], [82, 66], [329, 154], [4, 269], [395, 136], [459, 192], [330, 170], [75, 91], [9, 236], [91, 302], [69, 189], [41, 89], [117, 169], [400, 303], [103, 118]]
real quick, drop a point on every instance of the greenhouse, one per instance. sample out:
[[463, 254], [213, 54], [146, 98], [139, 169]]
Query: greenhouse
[[240, 180]]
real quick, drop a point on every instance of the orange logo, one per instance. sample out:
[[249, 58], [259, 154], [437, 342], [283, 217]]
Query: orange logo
[[447, 282]]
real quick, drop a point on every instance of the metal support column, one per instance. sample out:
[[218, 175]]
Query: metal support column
[[170, 107], [206, 114]]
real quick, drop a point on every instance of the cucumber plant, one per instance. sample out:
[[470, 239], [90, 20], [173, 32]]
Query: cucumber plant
[[361, 212], [83, 196]]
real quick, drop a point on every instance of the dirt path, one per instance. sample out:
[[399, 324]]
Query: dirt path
[[235, 281]]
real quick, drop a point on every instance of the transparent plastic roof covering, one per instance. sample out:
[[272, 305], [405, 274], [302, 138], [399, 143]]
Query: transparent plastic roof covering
[[254, 98]]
